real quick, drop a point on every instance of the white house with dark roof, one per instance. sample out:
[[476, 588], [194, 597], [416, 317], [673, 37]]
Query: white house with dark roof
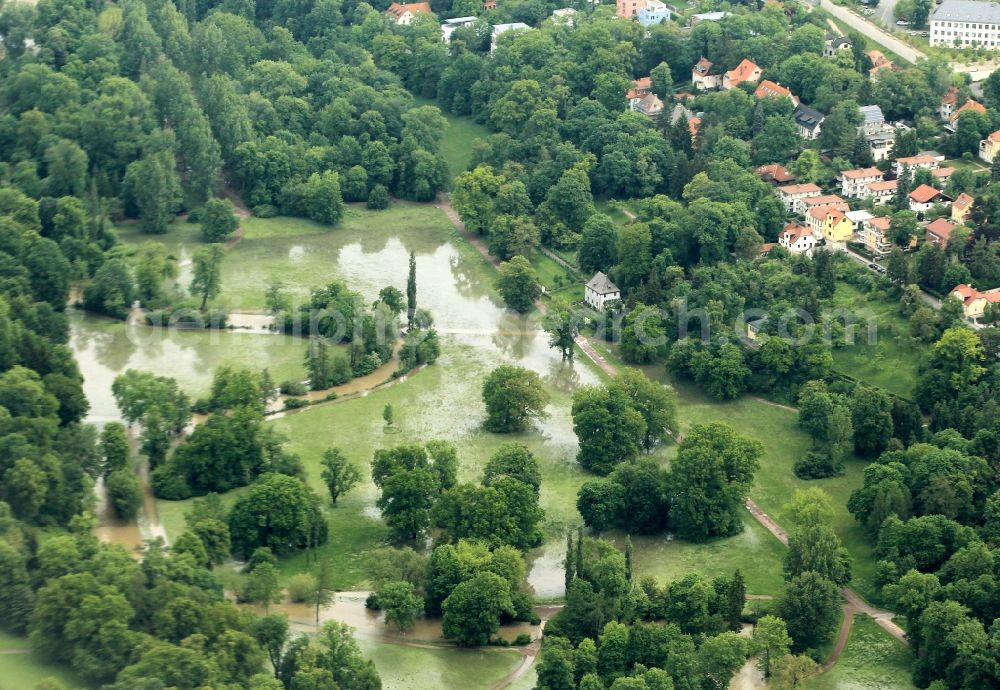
[[808, 121], [449, 26], [599, 291], [834, 44]]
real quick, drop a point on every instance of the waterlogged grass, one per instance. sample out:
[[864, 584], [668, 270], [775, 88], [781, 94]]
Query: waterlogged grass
[[442, 401], [754, 551], [888, 360], [410, 668], [551, 273], [24, 671], [872, 660]]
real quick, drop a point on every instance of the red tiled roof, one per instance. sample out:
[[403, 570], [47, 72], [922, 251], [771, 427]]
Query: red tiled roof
[[882, 186], [968, 105], [879, 223], [776, 172], [396, 9], [799, 188], [825, 200], [742, 72], [950, 96], [769, 88], [703, 67], [942, 228], [862, 172], [942, 173], [963, 201], [924, 193], [916, 160], [793, 231]]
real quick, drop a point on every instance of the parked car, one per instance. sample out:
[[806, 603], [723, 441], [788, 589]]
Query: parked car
[[924, 34], [902, 22]]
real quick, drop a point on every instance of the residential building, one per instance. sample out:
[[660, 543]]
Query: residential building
[[449, 26], [960, 207], [599, 291], [939, 232], [802, 206], [835, 44], [808, 121], [500, 29], [649, 105], [854, 183], [775, 173], [873, 236], [770, 89], [654, 12], [790, 193], [628, 9], [879, 62], [837, 227], [966, 23], [403, 13], [971, 106], [974, 301], [923, 160], [704, 77], [746, 71], [640, 88], [942, 175], [857, 218], [565, 16], [797, 239], [881, 192], [708, 17], [948, 102], [880, 135], [925, 196], [989, 146]]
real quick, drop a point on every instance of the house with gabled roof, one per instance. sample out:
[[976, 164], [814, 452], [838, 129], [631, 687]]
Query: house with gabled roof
[[797, 239], [403, 13], [834, 44], [925, 196], [704, 76], [803, 205], [927, 161], [989, 146], [974, 301], [771, 89], [948, 102], [599, 291], [939, 232], [873, 235], [960, 207], [881, 192], [746, 71], [775, 173], [808, 121], [969, 106]]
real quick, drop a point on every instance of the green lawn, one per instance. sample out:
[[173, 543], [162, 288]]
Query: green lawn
[[890, 361], [872, 660], [456, 143], [604, 206], [24, 671], [551, 273], [775, 482], [410, 668]]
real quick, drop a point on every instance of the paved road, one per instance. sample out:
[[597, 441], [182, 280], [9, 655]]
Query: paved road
[[872, 31]]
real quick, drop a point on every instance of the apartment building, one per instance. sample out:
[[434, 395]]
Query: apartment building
[[790, 193], [965, 24], [854, 183]]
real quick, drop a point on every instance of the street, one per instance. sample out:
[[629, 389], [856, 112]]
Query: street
[[872, 31]]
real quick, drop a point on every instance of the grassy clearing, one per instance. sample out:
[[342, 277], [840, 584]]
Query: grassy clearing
[[551, 273], [872, 660], [604, 206], [458, 138], [776, 428], [410, 668], [890, 362]]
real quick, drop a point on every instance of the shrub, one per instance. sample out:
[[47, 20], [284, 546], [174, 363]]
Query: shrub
[[265, 211], [817, 466], [378, 198], [301, 587], [522, 640], [295, 403], [293, 388]]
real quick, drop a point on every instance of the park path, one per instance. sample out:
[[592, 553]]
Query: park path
[[853, 601]]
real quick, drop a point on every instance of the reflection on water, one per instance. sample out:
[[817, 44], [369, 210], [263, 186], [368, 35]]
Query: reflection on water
[[349, 608], [110, 529]]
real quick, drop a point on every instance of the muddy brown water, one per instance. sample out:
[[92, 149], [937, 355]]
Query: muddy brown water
[[470, 318]]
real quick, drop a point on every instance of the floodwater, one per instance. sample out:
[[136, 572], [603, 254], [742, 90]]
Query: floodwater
[[110, 529], [349, 608], [476, 330]]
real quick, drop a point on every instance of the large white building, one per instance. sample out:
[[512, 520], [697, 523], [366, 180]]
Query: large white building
[[966, 23]]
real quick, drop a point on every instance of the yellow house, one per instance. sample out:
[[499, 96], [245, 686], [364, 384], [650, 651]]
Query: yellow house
[[960, 207], [837, 227], [989, 146]]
